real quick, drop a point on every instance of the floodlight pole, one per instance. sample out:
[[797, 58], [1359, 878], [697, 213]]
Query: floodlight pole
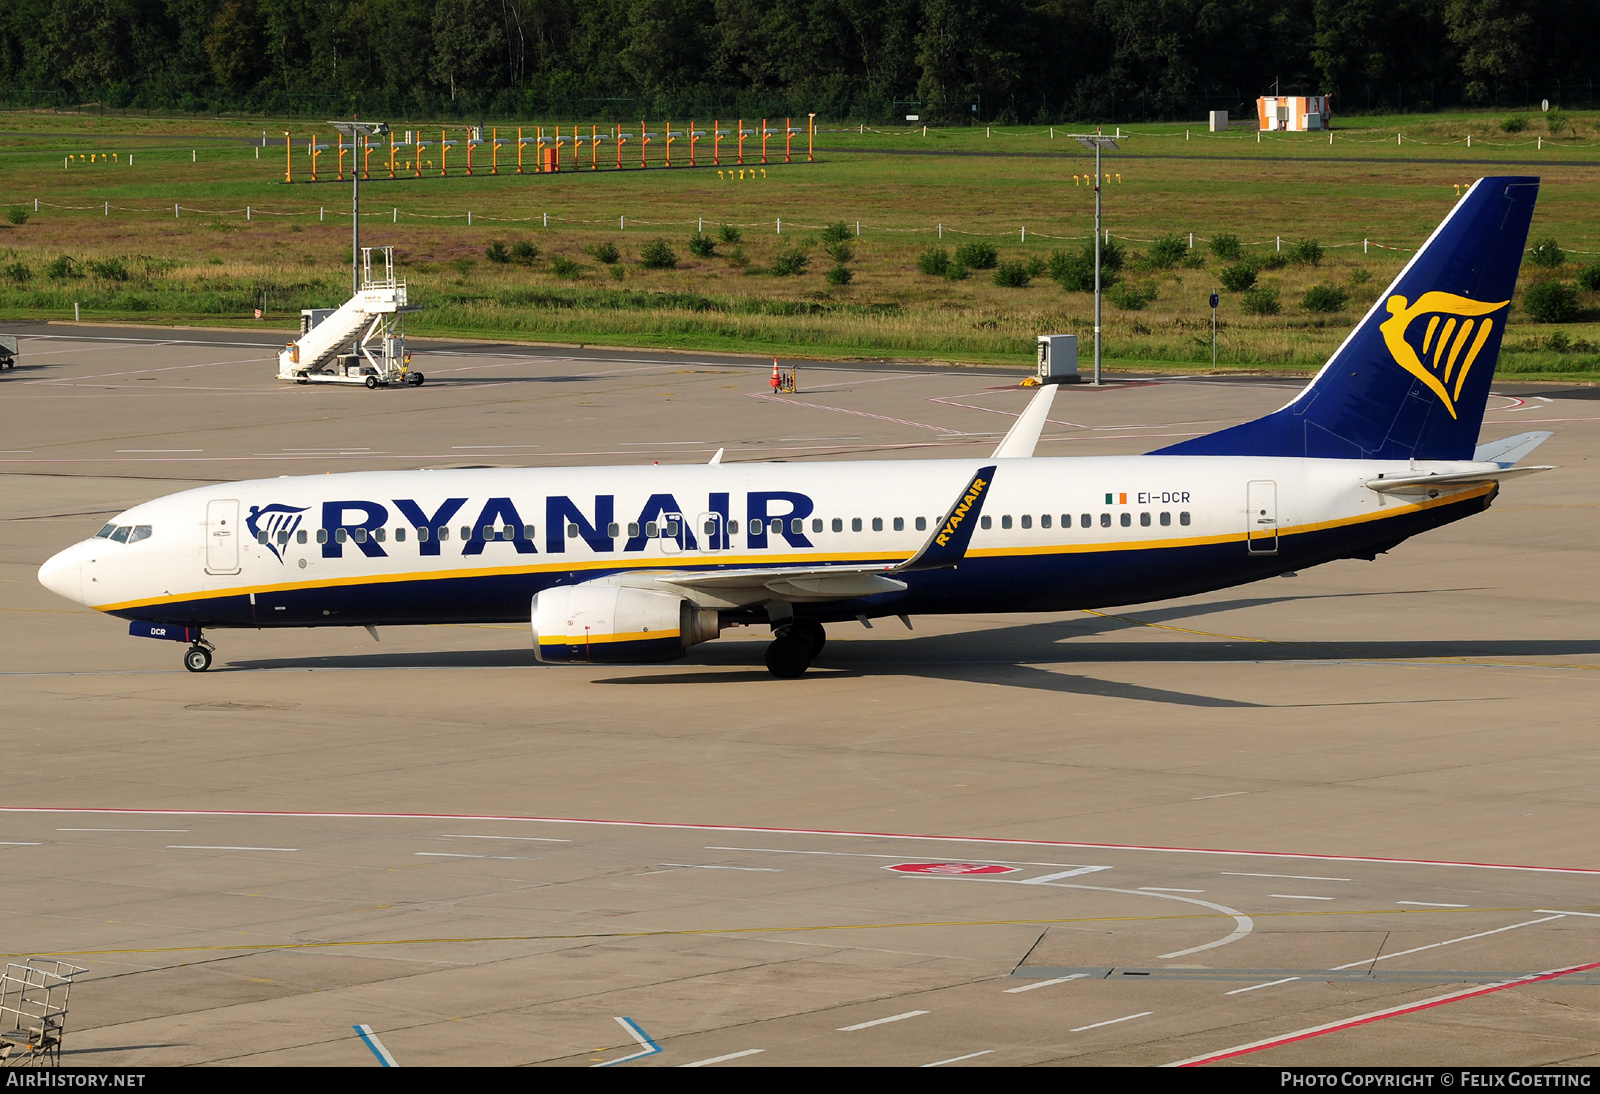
[[1097, 263], [359, 132]]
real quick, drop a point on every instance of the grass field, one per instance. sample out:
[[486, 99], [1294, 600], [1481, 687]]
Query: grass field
[[1365, 198]]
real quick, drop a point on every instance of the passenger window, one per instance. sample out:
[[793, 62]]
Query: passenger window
[[444, 532], [120, 534], [855, 524], [672, 529], [1144, 520], [527, 532], [105, 533], [400, 535], [1105, 520], [922, 524], [422, 535], [1027, 521], [572, 531], [614, 530], [1044, 521], [652, 530], [633, 529], [300, 536], [283, 539], [899, 524], [1127, 520], [380, 534], [361, 535], [877, 524], [985, 522], [340, 535], [838, 525], [733, 528], [322, 535], [797, 526], [1005, 521], [816, 524], [1086, 521], [466, 532], [710, 529], [261, 537], [1166, 519], [775, 526], [1183, 519]]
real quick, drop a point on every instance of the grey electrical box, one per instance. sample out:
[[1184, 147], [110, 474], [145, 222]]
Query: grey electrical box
[[1219, 121], [1058, 359]]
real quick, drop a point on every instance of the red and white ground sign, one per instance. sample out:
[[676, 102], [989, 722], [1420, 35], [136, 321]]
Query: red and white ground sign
[[951, 868]]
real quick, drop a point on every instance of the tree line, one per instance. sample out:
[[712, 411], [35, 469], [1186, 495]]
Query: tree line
[[969, 60]]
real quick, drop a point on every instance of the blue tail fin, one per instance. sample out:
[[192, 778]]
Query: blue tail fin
[[1411, 381]]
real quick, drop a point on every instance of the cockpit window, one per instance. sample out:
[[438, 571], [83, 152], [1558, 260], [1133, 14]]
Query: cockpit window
[[105, 533], [140, 531], [120, 534]]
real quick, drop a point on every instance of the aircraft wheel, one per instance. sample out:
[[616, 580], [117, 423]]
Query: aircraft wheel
[[197, 659], [810, 633], [301, 380], [372, 383], [416, 379], [788, 658]]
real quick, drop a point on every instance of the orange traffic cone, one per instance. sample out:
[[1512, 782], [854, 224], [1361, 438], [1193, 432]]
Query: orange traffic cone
[[777, 381]]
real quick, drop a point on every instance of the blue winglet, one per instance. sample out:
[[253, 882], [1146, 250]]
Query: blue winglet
[[1411, 381], [948, 544]]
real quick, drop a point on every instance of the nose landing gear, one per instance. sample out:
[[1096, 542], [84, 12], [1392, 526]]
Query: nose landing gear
[[794, 646], [197, 658]]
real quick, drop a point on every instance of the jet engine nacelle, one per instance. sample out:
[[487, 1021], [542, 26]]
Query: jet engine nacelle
[[614, 624]]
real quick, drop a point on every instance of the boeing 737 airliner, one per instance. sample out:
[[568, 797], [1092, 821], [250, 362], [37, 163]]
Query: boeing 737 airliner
[[635, 564]]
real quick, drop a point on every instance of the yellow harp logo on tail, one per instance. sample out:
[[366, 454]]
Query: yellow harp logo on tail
[[1454, 334]]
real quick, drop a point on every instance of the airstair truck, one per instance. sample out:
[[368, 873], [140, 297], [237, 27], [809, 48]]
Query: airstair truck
[[362, 342]]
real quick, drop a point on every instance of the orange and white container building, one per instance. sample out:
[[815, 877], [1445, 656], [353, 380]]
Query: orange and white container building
[[1293, 113]]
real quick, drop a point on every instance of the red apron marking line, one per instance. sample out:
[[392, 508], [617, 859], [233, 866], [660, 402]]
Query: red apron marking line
[[1378, 1016], [839, 833]]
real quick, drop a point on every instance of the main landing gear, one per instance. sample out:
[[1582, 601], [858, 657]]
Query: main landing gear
[[794, 646], [197, 658]]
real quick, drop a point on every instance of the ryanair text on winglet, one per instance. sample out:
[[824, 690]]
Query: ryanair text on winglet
[[959, 513]]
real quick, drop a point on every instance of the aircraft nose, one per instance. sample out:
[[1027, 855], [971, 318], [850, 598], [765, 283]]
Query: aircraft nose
[[63, 574]]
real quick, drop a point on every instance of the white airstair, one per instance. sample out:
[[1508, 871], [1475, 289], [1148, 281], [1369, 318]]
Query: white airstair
[[336, 346]]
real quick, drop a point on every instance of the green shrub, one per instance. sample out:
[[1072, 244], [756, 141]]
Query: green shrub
[[1546, 253], [1261, 301], [738, 259], [605, 252], [1167, 252], [1359, 276], [1075, 272], [523, 251], [1551, 302], [61, 267], [790, 263], [839, 250], [462, 266], [957, 272], [1011, 275], [17, 216], [1194, 260], [16, 272], [1132, 297], [840, 275], [496, 252], [1112, 255], [1237, 277], [837, 232], [1589, 278], [935, 261], [1272, 260], [729, 234], [702, 245], [1516, 123], [619, 273], [110, 269], [657, 255], [1035, 266], [977, 256], [1324, 298], [562, 266], [1226, 247], [1307, 252], [1556, 119]]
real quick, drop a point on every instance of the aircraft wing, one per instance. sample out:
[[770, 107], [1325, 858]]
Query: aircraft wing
[[1413, 483], [944, 549]]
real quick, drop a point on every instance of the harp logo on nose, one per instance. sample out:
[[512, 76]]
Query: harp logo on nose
[[1438, 338]]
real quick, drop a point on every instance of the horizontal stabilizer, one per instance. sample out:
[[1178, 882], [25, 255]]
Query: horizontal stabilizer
[[1452, 480], [1023, 437], [1508, 451]]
